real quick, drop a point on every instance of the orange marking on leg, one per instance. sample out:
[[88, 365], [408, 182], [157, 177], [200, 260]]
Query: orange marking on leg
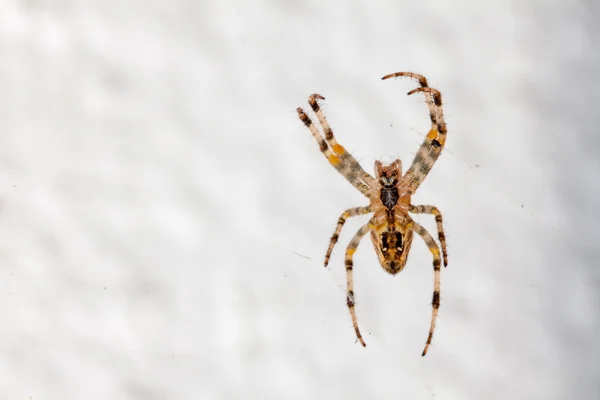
[[338, 149], [333, 159], [433, 134]]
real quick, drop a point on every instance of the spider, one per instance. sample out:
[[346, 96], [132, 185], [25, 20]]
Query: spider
[[389, 194]]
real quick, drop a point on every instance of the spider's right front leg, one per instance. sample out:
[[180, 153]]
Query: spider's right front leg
[[434, 142], [351, 212]]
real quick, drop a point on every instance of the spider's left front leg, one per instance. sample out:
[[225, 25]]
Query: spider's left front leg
[[338, 162], [438, 221], [350, 165]]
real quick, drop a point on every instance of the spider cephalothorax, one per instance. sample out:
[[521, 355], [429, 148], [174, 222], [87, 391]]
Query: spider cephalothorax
[[388, 177], [389, 194]]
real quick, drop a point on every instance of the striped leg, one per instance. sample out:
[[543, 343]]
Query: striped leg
[[423, 82], [350, 161], [338, 163], [438, 220], [349, 277], [351, 212], [434, 142], [435, 303]]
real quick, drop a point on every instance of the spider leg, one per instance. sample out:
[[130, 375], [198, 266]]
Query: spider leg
[[423, 82], [435, 303], [336, 147], [337, 162], [349, 276], [337, 156], [351, 212], [434, 142], [438, 221]]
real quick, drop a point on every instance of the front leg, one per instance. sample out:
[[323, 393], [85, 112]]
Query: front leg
[[335, 153], [434, 142], [351, 212], [438, 221], [349, 160]]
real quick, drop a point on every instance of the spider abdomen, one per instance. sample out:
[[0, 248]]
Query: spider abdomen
[[389, 196]]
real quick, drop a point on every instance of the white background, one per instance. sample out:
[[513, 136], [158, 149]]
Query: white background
[[164, 214]]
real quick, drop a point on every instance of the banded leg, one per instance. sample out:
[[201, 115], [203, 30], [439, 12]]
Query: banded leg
[[435, 303], [434, 142], [338, 163], [433, 100], [351, 212], [438, 221], [423, 82], [350, 165], [337, 148], [349, 277]]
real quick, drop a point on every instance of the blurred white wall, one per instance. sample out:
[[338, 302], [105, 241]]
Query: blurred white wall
[[164, 215]]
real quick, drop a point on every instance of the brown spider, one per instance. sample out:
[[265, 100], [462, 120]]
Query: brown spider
[[389, 194]]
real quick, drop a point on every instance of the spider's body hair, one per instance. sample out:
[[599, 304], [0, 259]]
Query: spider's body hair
[[389, 194]]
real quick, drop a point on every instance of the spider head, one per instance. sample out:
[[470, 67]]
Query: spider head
[[392, 248], [388, 175]]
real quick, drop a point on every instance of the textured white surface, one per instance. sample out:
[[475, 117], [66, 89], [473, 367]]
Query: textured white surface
[[157, 191]]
